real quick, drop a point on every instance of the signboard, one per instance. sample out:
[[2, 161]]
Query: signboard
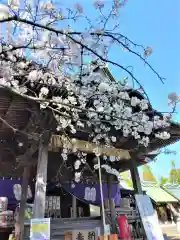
[[53, 206], [149, 217], [40, 229], [85, 234]]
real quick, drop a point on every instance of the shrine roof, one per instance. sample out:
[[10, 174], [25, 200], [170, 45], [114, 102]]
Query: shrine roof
[[21, 117]]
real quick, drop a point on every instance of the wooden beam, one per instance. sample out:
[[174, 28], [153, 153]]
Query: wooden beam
[[41, 178], [58, 142]]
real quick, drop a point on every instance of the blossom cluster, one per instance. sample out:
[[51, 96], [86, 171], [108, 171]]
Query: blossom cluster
[[42, 60], [104, 105]]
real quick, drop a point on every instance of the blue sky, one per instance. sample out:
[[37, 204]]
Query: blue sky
[[156, 23]]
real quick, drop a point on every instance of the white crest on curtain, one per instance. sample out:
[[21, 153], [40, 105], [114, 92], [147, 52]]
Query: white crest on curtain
[[17, 189], [90, 194]]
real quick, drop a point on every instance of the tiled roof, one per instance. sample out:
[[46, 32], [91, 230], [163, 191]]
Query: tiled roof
[[158, 194], [147, 174], [155, 192], [173, 189]]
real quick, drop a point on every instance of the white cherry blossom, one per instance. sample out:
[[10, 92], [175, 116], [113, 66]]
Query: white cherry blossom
[[4, 11], [46, 61]]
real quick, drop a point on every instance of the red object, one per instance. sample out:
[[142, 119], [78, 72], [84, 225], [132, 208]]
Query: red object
[[124, 228]]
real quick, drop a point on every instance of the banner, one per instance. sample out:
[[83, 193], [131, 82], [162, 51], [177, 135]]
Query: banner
[[90, 193], [11, 189], [40, 229], [149, 217]]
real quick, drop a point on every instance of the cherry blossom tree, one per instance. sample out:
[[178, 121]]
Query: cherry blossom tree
[[59, 47]]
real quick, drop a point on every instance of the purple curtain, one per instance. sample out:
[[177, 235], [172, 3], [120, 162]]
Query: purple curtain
[[90, 193], [7, 190]]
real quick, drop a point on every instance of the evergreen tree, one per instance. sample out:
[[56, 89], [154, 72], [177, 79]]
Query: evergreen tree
[[163, 181]]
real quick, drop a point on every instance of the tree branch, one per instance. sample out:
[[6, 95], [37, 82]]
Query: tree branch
[[105, 34]]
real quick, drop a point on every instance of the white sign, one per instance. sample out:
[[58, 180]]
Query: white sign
[[40, 229], [149, 217]]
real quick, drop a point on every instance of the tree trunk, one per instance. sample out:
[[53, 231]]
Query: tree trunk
[[41, 180]]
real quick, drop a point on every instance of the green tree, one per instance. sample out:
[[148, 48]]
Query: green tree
[[173, 164], [174, 175], [163, 181]]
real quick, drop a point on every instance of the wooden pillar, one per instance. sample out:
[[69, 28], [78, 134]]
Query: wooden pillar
[[74, 206], [41, 177], [24, 192], [111, 204], [135, 177]]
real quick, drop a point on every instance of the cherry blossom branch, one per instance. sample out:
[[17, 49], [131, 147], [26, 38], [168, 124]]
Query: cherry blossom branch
[[105, 34], [15, 130], [135, 53], [49, 65], [80, 109], [107, 61], [67, 105]]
